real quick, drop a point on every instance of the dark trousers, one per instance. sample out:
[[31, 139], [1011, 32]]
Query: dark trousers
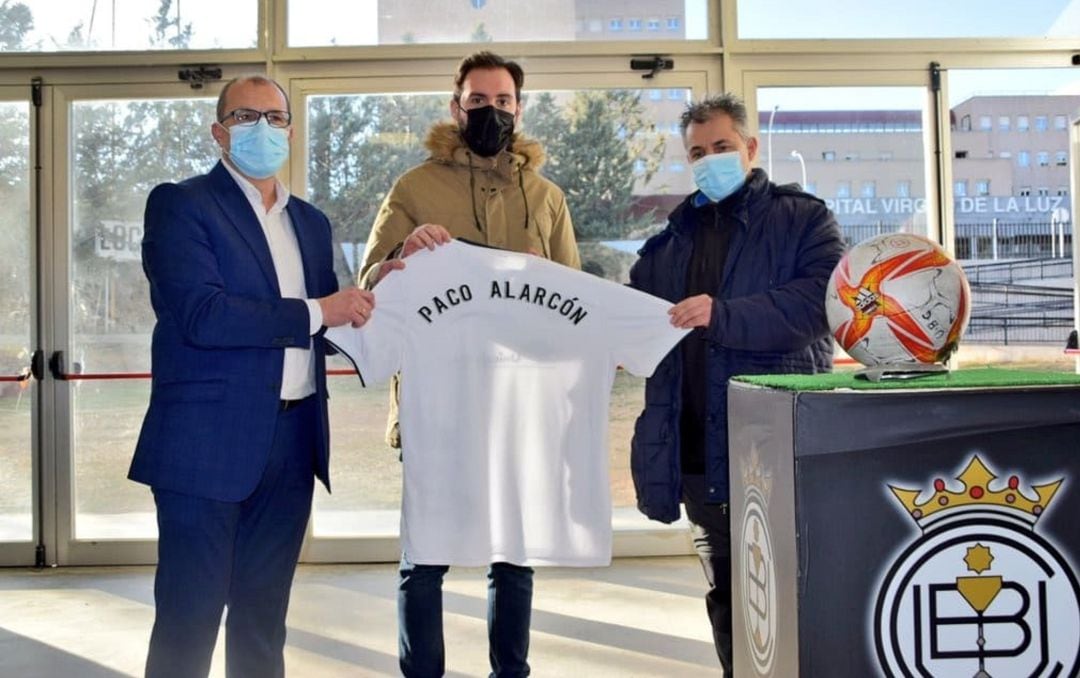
[[240, 555], [710, 527], [420, 625]]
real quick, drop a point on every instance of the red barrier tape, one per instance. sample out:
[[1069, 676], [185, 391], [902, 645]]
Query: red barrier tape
[[106, 376]]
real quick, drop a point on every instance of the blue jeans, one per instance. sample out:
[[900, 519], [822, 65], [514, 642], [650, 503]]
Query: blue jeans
[[420, 629]]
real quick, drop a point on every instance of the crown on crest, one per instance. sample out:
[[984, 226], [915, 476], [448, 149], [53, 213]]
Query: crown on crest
[[976, 494], [754, 474]]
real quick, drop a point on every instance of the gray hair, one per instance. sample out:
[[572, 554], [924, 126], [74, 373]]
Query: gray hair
[[708, 108]]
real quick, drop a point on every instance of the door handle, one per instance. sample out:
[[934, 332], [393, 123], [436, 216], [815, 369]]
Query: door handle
[[57, 366], [37, 365]]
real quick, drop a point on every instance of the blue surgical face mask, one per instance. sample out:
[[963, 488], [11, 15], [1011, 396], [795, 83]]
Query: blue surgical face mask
[[718, 175], [258, 150]]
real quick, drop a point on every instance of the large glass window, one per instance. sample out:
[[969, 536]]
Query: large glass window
[[1014, 235], [621, 173], [16, 496], [78, 25], [119, 151], [451, 21], [805, 153], [844, 19]]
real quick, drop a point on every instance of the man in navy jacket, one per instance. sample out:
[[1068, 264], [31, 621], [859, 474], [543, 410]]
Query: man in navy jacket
[[746, 262], [241, 281]]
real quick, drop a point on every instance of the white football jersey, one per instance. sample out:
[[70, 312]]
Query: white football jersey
[[506, 362]]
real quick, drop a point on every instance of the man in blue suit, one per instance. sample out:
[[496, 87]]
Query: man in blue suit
[[241, 281]]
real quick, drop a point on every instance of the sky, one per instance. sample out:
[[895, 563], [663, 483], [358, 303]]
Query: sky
[[123, 24], [222, 23], [219, 23], [810, 19], [963, 84]]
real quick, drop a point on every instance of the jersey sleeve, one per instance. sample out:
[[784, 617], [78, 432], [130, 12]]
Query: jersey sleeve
[[376, 349], [640, 329]]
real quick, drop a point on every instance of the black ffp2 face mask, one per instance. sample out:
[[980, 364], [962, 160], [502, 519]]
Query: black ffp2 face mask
[[488, 130]]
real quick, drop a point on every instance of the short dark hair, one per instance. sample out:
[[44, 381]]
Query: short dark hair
[[489, 60], [705, 110], [249, 77]]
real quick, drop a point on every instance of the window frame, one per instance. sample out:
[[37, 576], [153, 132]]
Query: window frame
[[721, 61], [634, 535]]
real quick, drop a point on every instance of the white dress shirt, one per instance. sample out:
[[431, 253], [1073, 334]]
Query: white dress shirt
[[298, 377]]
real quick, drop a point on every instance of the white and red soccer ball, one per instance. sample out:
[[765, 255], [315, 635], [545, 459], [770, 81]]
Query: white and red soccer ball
[[898, 298]]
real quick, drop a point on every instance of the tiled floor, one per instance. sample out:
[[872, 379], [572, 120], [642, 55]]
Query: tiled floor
[[639, 617]]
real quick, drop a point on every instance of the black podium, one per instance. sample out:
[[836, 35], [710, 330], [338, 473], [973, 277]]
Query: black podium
[[926, 528]]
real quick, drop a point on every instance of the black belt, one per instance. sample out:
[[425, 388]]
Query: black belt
[[286, 405]]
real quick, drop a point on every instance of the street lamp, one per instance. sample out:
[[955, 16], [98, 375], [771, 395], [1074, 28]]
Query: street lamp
[[802, 165], [768, 141]]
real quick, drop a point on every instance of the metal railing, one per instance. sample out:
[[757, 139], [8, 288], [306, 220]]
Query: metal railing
[[992, 240], [1002, 240], [1022, 269], [1005, 330], [1020, 299], [1005, 312]]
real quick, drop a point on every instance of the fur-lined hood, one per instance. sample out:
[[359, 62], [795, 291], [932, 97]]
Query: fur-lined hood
[[500, 201], [446, 146]]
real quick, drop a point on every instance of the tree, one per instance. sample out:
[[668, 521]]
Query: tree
[[75, 39], [357, 147], [600, 145], [15, 223], [167, 31], [120, 151], [480, 34], [15, 22], [15, 226]]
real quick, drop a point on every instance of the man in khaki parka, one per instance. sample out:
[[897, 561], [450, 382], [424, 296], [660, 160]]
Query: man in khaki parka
[[481, 183]]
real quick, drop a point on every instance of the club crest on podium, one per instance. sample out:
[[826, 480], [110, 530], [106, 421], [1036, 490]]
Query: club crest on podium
[[979, 592], [755, 561]]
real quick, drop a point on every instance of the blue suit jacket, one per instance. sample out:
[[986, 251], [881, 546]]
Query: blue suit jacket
[[222, 328]]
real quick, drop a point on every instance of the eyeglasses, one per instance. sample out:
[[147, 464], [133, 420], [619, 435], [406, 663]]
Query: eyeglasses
[[246, 117]]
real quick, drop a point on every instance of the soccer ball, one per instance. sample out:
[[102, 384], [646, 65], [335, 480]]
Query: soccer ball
[[897, 299]]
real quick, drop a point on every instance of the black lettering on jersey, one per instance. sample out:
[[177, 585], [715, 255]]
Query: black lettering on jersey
[[568, 307], [452, 296]]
